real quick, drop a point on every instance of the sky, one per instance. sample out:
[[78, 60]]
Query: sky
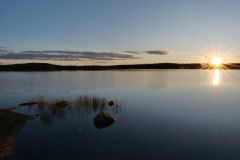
[[106, 32]]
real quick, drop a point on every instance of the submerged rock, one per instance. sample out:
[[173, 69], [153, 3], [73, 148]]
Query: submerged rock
[[103, 120], [28, 103]]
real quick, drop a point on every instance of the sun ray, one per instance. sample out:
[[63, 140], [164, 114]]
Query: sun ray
[[216, 53]]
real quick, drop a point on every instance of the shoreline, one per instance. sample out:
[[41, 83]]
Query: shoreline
[[52, 67]]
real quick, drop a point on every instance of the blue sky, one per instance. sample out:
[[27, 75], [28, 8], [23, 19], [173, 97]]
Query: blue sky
[[187, 29]]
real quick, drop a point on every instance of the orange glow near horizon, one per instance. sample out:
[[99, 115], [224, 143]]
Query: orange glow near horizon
[[215, 62], [218, 56]]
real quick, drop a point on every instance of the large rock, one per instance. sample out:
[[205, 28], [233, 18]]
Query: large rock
[[10, 124], [103, 120]]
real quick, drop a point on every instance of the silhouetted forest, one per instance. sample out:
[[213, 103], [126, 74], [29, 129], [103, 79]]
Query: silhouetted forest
[[52, 67]]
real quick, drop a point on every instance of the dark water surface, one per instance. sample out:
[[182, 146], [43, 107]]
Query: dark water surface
[[160, 114]]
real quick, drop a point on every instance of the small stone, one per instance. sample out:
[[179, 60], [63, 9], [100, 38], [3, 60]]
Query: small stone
[[103, 120], [111, 103]]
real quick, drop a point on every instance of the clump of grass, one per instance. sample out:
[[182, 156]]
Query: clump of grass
[[59, 104], [91, 102], [41, 101], [53, 109], [96, 103]]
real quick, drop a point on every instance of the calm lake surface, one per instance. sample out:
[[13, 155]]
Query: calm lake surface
[[160, 114]]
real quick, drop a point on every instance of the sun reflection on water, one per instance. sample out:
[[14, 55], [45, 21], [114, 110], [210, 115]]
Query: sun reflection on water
[[216, 77]]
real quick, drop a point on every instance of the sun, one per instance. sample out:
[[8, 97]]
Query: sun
[[218, 57], [216, 61]]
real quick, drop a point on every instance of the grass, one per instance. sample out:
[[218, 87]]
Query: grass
[[51, 109]]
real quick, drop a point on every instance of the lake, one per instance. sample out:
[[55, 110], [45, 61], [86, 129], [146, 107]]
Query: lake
[[160, 114]]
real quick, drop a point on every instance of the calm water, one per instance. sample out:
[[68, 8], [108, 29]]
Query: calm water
[[161, 114]]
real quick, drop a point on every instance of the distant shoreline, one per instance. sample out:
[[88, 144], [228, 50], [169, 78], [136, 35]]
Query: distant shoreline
[[53, 67]]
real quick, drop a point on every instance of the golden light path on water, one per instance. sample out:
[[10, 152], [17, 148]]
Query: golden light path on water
[[216, 77]]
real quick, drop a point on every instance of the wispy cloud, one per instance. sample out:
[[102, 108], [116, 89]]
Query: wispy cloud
[[65, 55], [156, 52], [134, 52]]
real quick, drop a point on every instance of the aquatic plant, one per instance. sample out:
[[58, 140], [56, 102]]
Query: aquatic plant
[[50, 109]]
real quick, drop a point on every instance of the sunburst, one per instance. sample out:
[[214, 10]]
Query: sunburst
[[216, 59], [218, 55]]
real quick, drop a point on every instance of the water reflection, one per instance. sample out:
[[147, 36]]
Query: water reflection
[[216, 77]]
